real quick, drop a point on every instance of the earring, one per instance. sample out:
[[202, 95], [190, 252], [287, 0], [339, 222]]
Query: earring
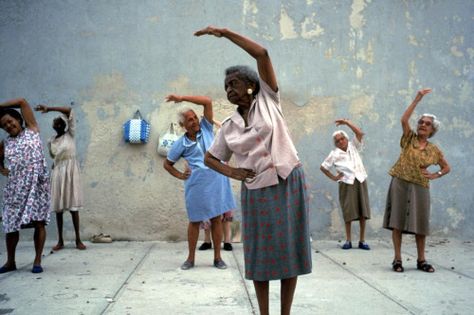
[[249, 91]]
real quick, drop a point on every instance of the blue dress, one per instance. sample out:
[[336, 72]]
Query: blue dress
[[207, 193]]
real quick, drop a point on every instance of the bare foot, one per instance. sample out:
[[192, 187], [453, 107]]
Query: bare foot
[[58, 246], [80, 245]]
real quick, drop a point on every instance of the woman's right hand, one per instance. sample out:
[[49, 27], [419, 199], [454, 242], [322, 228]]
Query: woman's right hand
[[241, 173], [338, 177], [185, 175], [41, 108], [4, 171]]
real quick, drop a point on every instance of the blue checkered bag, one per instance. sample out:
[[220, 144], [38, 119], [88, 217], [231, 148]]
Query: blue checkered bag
[[136, 130]]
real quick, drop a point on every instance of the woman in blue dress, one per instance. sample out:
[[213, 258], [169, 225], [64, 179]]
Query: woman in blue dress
[[208, 194]]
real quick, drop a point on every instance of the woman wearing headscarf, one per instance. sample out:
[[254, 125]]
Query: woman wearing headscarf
[[26, 195], [208, 194], [273, 192], [66, 188], [408, 201]]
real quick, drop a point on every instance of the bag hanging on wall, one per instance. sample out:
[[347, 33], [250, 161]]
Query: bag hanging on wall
[[166, 141], [136, 130]]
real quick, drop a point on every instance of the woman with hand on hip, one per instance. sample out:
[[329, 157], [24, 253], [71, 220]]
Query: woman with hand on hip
[[208, 194], [408, 200], [351, 176], [26, 195], [273, 192], [66, 188]]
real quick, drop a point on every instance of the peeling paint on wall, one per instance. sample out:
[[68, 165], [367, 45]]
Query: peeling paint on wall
[[287, 26]]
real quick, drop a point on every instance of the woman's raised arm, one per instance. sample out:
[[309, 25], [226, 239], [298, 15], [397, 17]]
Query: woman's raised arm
[[260, 53]]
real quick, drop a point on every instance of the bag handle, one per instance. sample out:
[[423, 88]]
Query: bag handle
[[137, 115]]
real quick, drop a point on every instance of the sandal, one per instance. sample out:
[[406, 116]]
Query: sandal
[[424, 266], [397, 266]]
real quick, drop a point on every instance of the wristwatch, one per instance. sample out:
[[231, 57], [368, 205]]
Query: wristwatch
[[439, 173]]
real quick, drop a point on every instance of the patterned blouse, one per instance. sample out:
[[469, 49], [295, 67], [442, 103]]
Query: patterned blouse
[[408, 166]]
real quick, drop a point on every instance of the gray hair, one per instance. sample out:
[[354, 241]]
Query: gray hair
[[245, 73], [180, 115], [340, 132], [436, 123]]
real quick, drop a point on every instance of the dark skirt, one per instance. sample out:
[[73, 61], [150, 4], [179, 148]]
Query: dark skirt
[[407, 208], [354, 200], [275, 224]]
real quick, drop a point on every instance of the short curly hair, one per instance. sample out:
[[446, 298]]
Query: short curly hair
[[435, 121], [246, 74], [13, 113]]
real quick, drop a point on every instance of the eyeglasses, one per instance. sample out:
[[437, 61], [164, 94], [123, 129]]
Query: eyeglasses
[[427, 123]]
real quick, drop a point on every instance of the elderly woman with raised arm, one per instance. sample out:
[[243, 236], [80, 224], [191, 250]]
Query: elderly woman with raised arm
[[408, 200], [66, 187], [351, 176], [208, 194], [26, 195], [273, 192]]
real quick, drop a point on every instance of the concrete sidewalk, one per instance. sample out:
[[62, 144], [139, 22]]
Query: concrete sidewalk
[[145, 278]]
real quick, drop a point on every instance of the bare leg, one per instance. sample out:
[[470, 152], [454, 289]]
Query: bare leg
[[287, 292], [261, 289], [362, 229], [226, 225], [207, 235], [39, 239], [216, 230], [59, 222], [348, 231], [420, 246], [75, 222], [397, 243], [193, 235], [11, 240]]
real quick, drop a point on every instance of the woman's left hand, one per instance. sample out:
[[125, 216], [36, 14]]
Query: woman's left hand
[[427, 174], [210, 30], [41, 108], [174, 98]]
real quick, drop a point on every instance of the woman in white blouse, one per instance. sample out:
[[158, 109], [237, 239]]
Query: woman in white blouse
[[351, 176]]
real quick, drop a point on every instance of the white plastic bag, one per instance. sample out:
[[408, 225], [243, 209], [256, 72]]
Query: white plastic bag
[[167, 140]]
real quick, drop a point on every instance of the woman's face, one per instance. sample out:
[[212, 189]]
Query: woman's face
[[58, 125], [10, 125], [341, 142], [425, 126], [191, 122], [236, 89]]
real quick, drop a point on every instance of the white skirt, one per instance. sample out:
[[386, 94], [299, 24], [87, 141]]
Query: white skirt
[[66, 189]]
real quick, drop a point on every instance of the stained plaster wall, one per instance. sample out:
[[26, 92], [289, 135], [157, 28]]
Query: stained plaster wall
[[359, 59]]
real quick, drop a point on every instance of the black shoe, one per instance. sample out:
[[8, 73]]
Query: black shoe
[[205, 246], [228, 246]]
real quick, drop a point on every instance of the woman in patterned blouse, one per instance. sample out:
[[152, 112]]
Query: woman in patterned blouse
[[408, 201], [26, 195]]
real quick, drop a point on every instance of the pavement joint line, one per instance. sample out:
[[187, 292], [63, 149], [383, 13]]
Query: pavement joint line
[[125, 282], [242, 278], [443, 267], [366, 282]]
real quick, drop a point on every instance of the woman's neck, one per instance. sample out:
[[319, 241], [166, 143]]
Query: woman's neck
[[191, 136]]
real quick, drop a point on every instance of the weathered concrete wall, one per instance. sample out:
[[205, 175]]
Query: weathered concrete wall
[[359, 59]]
